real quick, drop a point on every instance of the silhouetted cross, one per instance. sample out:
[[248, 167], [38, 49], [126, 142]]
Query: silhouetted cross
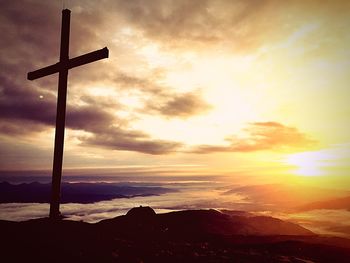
[[62, 68]]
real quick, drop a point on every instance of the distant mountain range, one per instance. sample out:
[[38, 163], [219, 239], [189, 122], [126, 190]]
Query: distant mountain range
[[74, 192]]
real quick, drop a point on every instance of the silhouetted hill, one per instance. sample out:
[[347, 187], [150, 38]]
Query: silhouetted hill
[[186, 236], [199, 222], [74, 192]]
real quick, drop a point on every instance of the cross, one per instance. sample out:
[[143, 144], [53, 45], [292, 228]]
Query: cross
[[62, 67]]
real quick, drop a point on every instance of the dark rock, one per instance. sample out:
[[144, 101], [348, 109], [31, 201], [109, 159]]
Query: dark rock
[[141, 212]]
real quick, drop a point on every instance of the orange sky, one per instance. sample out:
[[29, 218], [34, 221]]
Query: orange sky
[[258, 88]]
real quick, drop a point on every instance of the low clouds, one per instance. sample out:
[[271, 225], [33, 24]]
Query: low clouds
[[261, 136]]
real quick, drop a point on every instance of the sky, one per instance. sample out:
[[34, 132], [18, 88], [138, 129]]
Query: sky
[[256, 88]]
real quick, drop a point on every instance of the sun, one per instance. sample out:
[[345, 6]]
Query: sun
[[309, 163]]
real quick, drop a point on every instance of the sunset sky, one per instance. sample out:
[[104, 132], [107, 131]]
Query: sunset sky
[[256, 88]]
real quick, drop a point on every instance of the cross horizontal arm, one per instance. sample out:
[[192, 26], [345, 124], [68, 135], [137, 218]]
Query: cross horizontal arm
[[44, 71], [72, 63], [88, 58]]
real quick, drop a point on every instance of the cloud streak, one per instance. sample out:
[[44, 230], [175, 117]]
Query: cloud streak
[[180, 105], [261, 136]]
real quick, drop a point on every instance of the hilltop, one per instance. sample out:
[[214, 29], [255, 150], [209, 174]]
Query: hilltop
[[184, 236]]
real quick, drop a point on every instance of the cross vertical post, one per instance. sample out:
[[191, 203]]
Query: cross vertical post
[[60, 117], [62, 67]]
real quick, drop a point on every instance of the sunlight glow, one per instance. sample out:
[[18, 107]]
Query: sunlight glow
[[308, 163], [321, 162], [105, 91]]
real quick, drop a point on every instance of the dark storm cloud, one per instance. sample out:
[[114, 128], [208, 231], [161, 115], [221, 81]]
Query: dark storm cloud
[[163, 100], [180, 105], [16, 128], [24, 112], [118, 139], [88, 118], [239, 25], [108, 132], [180, 23], [18, 102], [261, 136], [22, 31], [30, 40], [159, 18], [142, 84]]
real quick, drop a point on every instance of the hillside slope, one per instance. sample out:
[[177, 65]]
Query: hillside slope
[[185, 236]]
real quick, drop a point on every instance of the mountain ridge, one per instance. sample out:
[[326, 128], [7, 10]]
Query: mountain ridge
[[183, 236], [83, 193]]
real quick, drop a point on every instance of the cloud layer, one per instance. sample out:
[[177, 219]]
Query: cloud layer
[[262, 136], [30, 40]]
